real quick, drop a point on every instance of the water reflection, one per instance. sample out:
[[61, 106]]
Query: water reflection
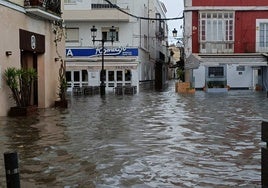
[[147, 140]]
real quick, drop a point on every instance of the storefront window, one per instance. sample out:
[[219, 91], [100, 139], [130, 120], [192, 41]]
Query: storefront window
[[68, 76], [128, 75], [111, 75], [84, 76], [119, 76], [76, 76]]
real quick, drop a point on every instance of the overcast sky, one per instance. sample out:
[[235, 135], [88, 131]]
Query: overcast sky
[[174, 9]]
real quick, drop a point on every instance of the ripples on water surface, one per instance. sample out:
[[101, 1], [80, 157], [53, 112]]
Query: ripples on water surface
[[152, 139]]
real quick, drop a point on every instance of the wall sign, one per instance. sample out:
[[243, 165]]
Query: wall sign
[[33, 42], [95, 52]]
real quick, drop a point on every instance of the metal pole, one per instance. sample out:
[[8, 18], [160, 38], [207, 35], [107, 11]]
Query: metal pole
[[102, 85], [12, 170], [264, 155]]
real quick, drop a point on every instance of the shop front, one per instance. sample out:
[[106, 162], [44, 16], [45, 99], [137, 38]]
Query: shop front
[[83, 68]]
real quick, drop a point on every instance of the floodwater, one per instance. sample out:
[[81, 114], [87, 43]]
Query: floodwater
[[152, 139]]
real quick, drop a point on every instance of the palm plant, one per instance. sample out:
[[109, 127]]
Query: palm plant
[[20, 82]]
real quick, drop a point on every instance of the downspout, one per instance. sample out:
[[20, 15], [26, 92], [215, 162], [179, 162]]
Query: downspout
[[148, 34], [140, 34]]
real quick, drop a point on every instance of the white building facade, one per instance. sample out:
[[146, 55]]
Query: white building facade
[[138, 44]]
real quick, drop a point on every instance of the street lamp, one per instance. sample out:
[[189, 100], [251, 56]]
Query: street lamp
[[175, 33], [102, 40]]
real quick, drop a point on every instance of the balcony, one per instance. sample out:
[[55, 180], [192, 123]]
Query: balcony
[[46, 9], [217, 47]]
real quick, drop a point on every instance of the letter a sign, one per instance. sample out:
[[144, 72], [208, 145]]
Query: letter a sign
[[69, 53]]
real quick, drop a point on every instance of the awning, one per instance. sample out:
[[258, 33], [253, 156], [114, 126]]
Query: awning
[[253, 60], [192, 62], [97, 65]]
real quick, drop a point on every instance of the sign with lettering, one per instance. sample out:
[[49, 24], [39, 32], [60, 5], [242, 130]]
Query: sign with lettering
[[95, 52]]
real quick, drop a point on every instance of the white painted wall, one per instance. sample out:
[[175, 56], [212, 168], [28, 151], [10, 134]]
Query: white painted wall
[[234, 79], [199, 76]]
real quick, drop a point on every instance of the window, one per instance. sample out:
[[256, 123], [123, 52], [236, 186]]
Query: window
[[216, 31], [84, 76], [106, 34], [69, 1], [217, 26], [101, 4], [110, 75], [263, 35], [160, 24], [72, 34], [145, 42], [76, 76], [127, 75], [215, 72], [68, 76], [119, 75]]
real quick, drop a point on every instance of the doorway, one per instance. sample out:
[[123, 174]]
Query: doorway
[[29, 60]]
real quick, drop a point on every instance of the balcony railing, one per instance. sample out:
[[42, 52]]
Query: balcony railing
[[231, 47], [50, 6]]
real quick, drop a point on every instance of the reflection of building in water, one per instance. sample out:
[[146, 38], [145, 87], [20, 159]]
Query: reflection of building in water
[[139, 45]]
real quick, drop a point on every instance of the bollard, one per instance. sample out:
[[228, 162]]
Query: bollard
[[264, 155], [12, 170]]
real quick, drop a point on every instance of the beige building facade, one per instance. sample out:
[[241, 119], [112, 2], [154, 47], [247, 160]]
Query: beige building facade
[[27, 40]]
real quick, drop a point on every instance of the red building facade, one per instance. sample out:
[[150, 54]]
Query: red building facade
[[245, 14], [216, 28]]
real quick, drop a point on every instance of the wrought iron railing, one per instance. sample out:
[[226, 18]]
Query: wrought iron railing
[[53, 6]]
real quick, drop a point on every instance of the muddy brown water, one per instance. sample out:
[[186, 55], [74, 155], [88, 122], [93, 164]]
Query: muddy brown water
[[152, 139]]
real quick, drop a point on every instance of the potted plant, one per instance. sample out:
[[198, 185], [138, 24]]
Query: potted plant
[[20, 82], [180, 74], [62, 102]]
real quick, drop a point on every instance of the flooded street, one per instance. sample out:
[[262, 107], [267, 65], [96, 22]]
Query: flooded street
[[152, 139]]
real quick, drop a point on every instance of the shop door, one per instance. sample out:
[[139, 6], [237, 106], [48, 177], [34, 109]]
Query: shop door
[[76, 79], [111, 79], [29, 60]]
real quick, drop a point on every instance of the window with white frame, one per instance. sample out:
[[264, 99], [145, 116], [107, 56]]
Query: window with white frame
[[216, 31], [106, 34], [262, 35], [72, 34]]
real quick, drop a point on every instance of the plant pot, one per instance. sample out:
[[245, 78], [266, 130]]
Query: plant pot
[[61, 104], [22, 111]]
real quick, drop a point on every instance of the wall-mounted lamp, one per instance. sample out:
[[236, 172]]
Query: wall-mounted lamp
[[8, 53]]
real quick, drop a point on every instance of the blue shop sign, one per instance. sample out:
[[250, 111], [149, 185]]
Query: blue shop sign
[[95, 52]]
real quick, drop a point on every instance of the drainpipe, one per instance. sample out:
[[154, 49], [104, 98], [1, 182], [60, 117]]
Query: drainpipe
[[264, 155]]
